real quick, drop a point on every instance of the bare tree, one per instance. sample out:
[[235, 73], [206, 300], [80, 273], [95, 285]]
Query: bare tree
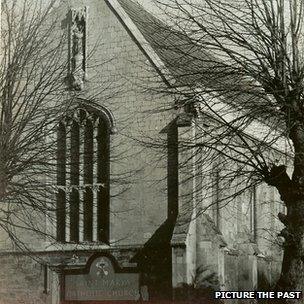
[[238, 67], [38, 96], [31, 105]]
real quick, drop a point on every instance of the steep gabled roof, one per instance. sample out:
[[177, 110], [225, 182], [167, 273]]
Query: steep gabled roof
[[172, 47], [185, 59], [184, 63], [169, 50], [187, 62]]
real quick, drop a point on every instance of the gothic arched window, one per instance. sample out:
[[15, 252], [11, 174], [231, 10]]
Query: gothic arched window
[[83, 170]]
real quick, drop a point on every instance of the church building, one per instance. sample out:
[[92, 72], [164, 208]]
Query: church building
[[134, 218]]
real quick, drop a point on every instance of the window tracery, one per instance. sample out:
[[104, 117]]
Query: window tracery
[[83, 165]]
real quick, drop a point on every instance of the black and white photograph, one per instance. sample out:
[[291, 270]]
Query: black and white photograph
[[151, 151]]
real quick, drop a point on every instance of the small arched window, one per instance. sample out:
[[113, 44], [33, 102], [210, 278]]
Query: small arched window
[[83, 177]]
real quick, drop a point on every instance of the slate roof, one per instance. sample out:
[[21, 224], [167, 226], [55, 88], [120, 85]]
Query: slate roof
[[184, 61], [191, 65]]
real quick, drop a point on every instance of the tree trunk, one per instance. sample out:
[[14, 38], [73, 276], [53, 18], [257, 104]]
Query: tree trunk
[[292, 194], [292, 274]]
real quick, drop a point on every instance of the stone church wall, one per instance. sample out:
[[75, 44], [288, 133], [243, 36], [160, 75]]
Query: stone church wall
[[22, 281], [138, 189]]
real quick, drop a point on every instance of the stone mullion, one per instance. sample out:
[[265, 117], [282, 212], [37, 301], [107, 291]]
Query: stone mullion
[[81, 220], [95, 181], [68, 174], [81, 181]]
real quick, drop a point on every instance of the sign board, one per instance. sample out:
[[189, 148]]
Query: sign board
[[101, 283]]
